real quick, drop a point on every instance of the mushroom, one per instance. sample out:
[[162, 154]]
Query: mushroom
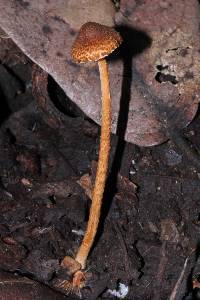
[[93, 43], [149, 100]]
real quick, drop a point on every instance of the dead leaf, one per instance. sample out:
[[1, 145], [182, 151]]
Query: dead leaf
[[86, 183], [76, 13], [22, 288], [154, 84]]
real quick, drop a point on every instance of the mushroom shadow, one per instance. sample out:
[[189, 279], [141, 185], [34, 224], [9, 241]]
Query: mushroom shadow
[[134, 43]]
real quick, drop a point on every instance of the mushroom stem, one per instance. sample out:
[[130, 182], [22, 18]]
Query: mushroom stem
[[102, 167]]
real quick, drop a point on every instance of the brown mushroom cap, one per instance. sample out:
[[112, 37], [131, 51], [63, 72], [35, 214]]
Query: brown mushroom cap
[[94, 42]]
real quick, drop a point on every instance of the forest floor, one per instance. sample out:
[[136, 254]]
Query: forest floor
[[147, 244]]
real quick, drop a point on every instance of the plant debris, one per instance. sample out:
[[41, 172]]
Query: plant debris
[[148, 238]]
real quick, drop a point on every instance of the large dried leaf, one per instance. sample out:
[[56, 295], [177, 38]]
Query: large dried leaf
[[154, 78], [22, 288]]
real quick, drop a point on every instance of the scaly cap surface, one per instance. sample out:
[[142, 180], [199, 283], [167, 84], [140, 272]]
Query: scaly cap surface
[[94, 42]]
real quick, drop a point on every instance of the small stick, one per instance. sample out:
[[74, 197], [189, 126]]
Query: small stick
[[178, 283]]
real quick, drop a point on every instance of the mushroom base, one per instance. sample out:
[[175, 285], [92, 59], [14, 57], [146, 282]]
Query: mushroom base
[[77, 276]]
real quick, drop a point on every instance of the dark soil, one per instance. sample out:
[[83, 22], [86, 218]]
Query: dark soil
[[149, 232]]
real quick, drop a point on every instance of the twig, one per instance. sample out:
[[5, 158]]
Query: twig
[[16, 281], [179, 281], [51, 115]]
